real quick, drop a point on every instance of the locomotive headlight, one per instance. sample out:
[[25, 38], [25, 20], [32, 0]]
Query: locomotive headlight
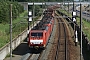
[[31, 42], [41, 42]]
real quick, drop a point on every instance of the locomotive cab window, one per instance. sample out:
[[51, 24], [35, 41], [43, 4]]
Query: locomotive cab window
[[37, 34]]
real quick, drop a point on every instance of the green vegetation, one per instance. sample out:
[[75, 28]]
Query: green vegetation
[[19, 23], [45, 0], [5, 19], [39, 0], [8, 55], [5, 11], [17, 28], [37, 9], [85, 25], [86, 28]]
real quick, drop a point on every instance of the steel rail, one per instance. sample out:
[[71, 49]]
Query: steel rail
[[56, 56], [66, 58], [66, 49], [34, 56]]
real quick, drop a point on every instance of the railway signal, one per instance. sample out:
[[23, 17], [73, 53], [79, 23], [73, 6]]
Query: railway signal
[[30, 16], [29, 20], [76, 38], [75, 28], [74, 25]]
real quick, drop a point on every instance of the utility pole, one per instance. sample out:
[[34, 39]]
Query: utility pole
[[81, 29], [10, 31], [33, 13], [64, 5], [28, 25], [73, 16], [74, 25], [42, 9], [29, 20], [73, 5], [45, 5], [68, 8]]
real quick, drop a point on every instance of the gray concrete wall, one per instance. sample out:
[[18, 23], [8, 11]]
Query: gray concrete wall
[[16, 41]]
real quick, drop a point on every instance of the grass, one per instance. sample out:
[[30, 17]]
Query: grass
[[17, 28], [65, 12], [3, 35], [85, 25], [86, 30], [8, 55], [4, 30]]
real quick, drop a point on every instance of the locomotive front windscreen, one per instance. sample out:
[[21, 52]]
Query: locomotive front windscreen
[[37, 34]]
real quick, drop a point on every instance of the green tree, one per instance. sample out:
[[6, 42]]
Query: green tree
[[37, 10], [5, 10]]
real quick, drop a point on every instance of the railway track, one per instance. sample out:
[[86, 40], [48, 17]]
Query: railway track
[[34, 57], [33, 54], [57, 44], [62, 46]]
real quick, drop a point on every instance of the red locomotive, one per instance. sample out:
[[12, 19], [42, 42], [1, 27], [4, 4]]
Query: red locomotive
[[39, 35]]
